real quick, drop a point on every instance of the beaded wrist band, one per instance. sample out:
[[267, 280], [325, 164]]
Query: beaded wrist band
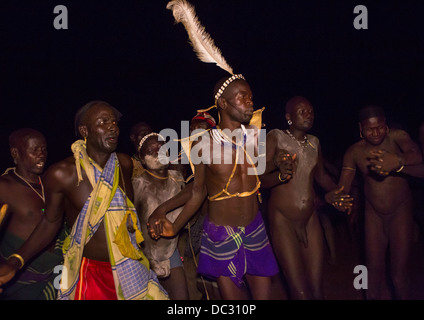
[[226, 83]]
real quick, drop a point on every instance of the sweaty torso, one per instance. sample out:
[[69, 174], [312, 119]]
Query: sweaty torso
[[236, 210], [295, 199]]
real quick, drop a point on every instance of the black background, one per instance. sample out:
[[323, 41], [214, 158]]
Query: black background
[[132, 55]]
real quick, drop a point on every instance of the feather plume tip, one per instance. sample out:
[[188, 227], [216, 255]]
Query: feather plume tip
[[202, 43]]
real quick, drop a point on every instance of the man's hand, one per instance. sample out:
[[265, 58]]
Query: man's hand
[[340, 201], [160, 228], [285, 162], [383, 162]]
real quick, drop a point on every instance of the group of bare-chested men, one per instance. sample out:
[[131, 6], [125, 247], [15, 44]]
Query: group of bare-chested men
[[235, 250]]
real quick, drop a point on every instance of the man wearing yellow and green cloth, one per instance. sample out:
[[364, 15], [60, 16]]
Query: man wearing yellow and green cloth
[[102, 260]]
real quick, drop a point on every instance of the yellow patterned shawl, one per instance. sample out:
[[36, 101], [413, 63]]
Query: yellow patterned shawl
[[108, 203]]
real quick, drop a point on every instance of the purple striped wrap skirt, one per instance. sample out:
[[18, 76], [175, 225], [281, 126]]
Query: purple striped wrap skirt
[[236, 251]]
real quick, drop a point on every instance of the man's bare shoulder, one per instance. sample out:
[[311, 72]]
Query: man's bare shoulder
[[274, 133], [274, 136], [356, 148], [62, 170], [6, 182], [396, 134], [6, 178], [313, 139]]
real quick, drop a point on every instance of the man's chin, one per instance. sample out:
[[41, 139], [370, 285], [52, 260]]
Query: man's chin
[[38, 171], [111, 148], [375, 143]]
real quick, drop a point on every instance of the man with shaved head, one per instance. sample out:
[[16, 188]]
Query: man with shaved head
[[22, 191], [293, 163], [380, 158]]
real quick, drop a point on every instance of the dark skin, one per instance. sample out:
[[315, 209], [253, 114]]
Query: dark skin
[[65, 197], [388, 200], [235, 107], [24, 205], [296, 232]]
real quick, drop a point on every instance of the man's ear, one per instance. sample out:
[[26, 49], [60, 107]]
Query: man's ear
[[360, 130], [288, 117], [82, 129], [221, 103], [132, 137], [14, 153]]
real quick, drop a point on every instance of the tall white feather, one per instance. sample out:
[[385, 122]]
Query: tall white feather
[[201, 41]]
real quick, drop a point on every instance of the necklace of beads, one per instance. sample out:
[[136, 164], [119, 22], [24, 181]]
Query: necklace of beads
[[302, 144], [221, 138]]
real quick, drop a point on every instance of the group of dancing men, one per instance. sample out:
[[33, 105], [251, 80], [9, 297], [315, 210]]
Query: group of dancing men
[[111, 222]]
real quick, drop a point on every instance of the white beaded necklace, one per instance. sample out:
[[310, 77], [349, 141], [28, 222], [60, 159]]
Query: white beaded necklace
[[220, 138], [302, 144]]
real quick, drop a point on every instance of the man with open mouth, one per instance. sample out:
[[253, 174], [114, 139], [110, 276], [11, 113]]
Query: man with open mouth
[[23, 198], [92, 190]]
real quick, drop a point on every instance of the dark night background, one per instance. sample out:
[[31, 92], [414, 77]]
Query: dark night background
[[131, 54]]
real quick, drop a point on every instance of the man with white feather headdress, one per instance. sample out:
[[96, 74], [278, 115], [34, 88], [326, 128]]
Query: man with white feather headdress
[[235, 245]]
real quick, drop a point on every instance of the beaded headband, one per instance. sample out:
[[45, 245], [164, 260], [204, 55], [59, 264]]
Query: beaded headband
[[226, 83], [143, 140]]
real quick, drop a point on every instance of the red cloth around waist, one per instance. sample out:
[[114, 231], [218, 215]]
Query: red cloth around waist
[[95, 281]]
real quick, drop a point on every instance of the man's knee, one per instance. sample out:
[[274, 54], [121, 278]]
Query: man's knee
[[229, 290]]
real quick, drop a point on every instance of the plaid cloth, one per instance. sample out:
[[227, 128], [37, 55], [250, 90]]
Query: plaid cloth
[[236, 251], [108, 203]]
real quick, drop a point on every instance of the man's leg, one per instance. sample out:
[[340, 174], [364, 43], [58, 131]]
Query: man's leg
[[287, 249], [401, 239], [176, 284], [313, 256], [229, 290], [376, 242], [260, 287]]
